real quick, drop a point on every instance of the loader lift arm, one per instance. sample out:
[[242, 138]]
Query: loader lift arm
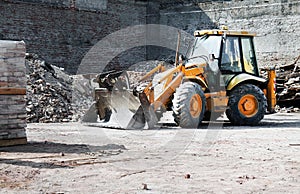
[[149, 103]]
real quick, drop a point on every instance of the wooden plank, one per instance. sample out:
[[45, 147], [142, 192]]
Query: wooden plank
[[12, 91], [10, 142]]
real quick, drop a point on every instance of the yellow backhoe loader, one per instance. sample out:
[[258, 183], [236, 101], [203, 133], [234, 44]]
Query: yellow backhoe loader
[[218, 74]]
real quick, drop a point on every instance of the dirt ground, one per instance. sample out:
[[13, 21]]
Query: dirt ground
[[217, 158]]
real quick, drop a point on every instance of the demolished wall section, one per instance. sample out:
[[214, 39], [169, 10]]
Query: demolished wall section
[[62, 32]]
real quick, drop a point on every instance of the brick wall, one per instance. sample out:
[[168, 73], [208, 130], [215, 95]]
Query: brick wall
[[62, 32], [12, 93]]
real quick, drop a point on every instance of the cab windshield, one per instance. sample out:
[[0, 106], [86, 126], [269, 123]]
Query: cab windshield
[[203, 46]]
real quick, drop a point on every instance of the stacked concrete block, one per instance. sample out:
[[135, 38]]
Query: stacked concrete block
[[12, 93]]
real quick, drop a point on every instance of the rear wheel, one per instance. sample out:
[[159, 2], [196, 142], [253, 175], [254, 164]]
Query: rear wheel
[[247, 105], [189, 105]]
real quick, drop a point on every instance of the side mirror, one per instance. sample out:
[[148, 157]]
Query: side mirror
[[224, 37], [181, 58]]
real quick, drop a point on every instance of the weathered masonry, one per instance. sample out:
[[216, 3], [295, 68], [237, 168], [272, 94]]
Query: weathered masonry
[[62, 32], [12, 93]]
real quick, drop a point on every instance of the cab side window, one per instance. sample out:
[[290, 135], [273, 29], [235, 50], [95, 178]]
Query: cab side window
[[248, 56], [231, 58]]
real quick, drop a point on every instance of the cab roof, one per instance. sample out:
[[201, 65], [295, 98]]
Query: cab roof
[[198, 33]]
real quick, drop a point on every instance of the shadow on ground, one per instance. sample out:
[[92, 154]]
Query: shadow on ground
[[281, 120], [51, 147], [32, 164], [57, 151]]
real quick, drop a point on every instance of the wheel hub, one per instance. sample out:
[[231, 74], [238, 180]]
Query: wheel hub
[[248, 105], [195, 105]]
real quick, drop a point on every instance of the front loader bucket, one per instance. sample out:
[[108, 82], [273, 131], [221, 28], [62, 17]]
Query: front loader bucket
[[124, 105], [127, 110], [138, 120], [114, 109]]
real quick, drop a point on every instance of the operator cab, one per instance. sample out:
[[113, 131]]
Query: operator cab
[[232, 52], [238, 55]]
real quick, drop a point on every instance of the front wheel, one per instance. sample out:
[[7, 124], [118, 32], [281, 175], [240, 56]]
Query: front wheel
[[189, 105], [247, 105]]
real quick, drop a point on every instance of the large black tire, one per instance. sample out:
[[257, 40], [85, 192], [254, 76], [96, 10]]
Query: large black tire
[[189, 105], [247, 105]]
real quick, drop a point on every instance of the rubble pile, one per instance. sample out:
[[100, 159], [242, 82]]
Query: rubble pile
[[49, 92], [83, 94], [288, 85]]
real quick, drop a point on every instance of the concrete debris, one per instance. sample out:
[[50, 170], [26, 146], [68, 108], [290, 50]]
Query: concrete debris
[[82, 95], [286, 110], [49, 92], [288, 84], [145, 186], [187, 176], [54, 96]]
